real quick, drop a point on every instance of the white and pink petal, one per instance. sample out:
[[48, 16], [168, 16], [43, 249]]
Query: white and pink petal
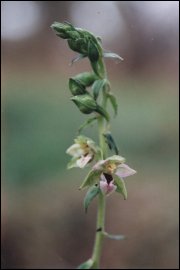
[[75, 150], [106, 188], [83, 161], [123, 170]]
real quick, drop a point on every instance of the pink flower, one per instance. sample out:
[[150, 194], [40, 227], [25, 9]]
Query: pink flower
[[83, 151], [113, 170]]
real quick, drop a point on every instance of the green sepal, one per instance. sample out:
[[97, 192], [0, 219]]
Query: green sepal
[[116, 159], [72, 163], [62, 29], [102, 111], [86, 78], [112, 55], [85, 103], [121, 188], [113, 101], [76, 87], [90, 195], [91, 179], [77, 58], [78, 45], [87, 265], [83, 45], [62, 35], [97, 87], [111, 143], [74, 35], [114, 236], [98, 68], [73, 45]]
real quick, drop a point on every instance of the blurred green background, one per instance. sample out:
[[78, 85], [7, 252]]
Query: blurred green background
[[43, 222]]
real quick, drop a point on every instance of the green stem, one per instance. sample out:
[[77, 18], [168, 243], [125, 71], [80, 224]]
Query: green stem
[[101, 137], [99, 231], [101, 198]]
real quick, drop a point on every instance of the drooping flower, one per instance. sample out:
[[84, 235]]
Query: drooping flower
[[109, 174], [83, 151], [113, 170]]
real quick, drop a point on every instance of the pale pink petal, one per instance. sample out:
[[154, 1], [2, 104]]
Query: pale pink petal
[[103, 187], [106, 188], [103, 178], [111, 188], [82, 162], [124, 170]]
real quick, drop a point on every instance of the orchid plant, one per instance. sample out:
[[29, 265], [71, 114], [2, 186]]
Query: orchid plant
[[91, 92]]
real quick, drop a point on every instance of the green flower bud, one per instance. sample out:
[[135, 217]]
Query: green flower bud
[[85, 103], [73, 35], [62, 35], [76, 87], [78, 45], [93, 52], [62, 29], [86, 78]]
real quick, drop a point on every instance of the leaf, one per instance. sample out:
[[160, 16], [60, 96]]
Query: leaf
[[113, 101], [86, 123], [102, 111], [91, 179], [86, 265], [121, 188], [114, 236], [111, 143], [77, 58], [98, 69], [97, 86], [90, 195], [112, 55]]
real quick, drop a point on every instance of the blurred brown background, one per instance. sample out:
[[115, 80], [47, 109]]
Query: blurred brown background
[[43, 222]]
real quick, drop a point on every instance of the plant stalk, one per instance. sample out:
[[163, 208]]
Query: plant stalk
[[101, 197]]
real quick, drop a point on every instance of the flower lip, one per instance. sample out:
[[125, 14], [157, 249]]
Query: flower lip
[[84, 160], [108, 177], [107, 184]]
